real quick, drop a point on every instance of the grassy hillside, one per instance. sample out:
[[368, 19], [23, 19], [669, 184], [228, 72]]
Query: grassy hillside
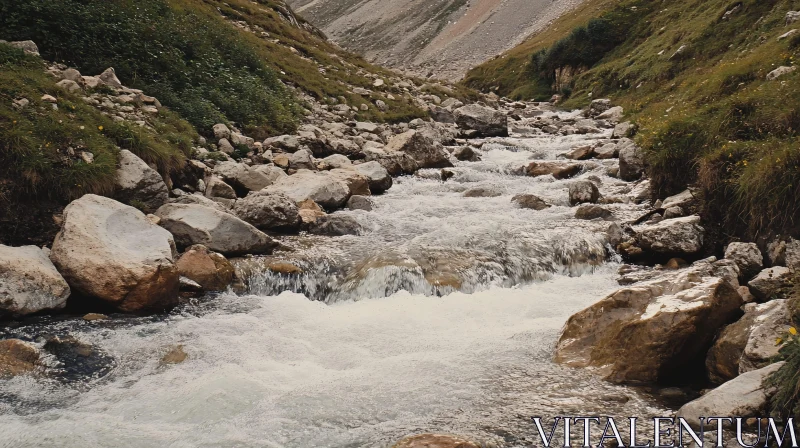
[[41, 146], [211, 61], [693, 75]]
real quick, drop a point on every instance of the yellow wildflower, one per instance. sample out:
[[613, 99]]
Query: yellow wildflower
[[793, 331]]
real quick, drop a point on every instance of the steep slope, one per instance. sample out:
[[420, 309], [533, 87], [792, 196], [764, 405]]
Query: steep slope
[[443, 38], [699, 79]]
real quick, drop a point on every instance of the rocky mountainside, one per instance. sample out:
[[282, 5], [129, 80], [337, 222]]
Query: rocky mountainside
[[442, 38]]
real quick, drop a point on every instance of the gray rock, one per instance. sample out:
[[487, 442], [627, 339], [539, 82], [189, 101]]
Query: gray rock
[[109, 78], [268, 211], [28, 46], [139, 185], [747, 256], [239, 139], [272, 172], [776, 253], [530, 201], [722, 360], [221, 232], [631, 161], [358, 202], [771, 321], [680, 236], [321, 187], [199, 200], [336, 225], [335, 161], [302, 160], [793, 254], [580, 153], [371, 128], [226, 146], [29, 282], [482, 192], [744, 396], [673, 212], [112, 252], [622, 130], [772, 283], [598, 106], [69, 85], [378, 177], [221, 131], [217, 188], [589, 212], [487, 122], [466, 154], [288, 143], [780, 72], [426, 152], [583, 191]]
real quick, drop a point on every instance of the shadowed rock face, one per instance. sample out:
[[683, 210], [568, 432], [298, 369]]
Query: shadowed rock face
[[444, 37]]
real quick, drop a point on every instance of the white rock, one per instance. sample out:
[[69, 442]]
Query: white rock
[[747, 256], [320, 187], [672, 236], [221, 232], [771, 282], [29, 282], [112, 252], [139, 185], [779, 72]]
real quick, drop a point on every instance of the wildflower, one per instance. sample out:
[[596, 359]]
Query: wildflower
[[793, 331], [778, 341], [100, 128]]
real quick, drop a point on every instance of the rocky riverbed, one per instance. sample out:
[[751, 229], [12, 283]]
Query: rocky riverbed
[[355, 283]]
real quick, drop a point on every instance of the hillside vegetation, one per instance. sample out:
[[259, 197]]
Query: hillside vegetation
[[692, 74]]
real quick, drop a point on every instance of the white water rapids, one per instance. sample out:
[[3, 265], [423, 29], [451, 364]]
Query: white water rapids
[[380, 354]]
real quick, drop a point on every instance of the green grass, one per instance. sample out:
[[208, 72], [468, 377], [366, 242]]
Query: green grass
[[707, 116], [786, 401], [40, 146]]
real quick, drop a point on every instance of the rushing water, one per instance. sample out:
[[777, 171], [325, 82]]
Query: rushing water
[[441, 317]]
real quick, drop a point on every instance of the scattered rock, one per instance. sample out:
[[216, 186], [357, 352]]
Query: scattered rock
[[336, 225], [631, 161], [747, 256], [321, 187], [221, 131], [109, 78], [745, 396], [29, 282], [17, 358], [212, 271], [771, 321], [530, 201], [589, 212], [29, 46], [217, 188], [487, 122], [268, 210], [139, 185], [779, 72], [580, 153], [772, 283], [379, 179], [558, 170], [112, 252], [357, 202], [426, 152], [722, 361], [221, 232], [680, 236], [482, 192], [466, 154], [598, 106], [583, 191], [241, 177], [623, 130]]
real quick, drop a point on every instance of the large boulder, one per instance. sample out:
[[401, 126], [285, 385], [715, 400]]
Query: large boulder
[[209, 269], [679, 236], [425, 151], [589, 212], [395, 163], [268, 210], [771, 283], [747, 256], [583, 191], [139, 185], [221, 232], [29, 282], [112, 252], [651, 330], [745, 396], [321, 187], [241, 177], [378, 177], [631, 160], [488, 122], [598, 106]]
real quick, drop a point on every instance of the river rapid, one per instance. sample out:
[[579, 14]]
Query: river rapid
[[440, 317]]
